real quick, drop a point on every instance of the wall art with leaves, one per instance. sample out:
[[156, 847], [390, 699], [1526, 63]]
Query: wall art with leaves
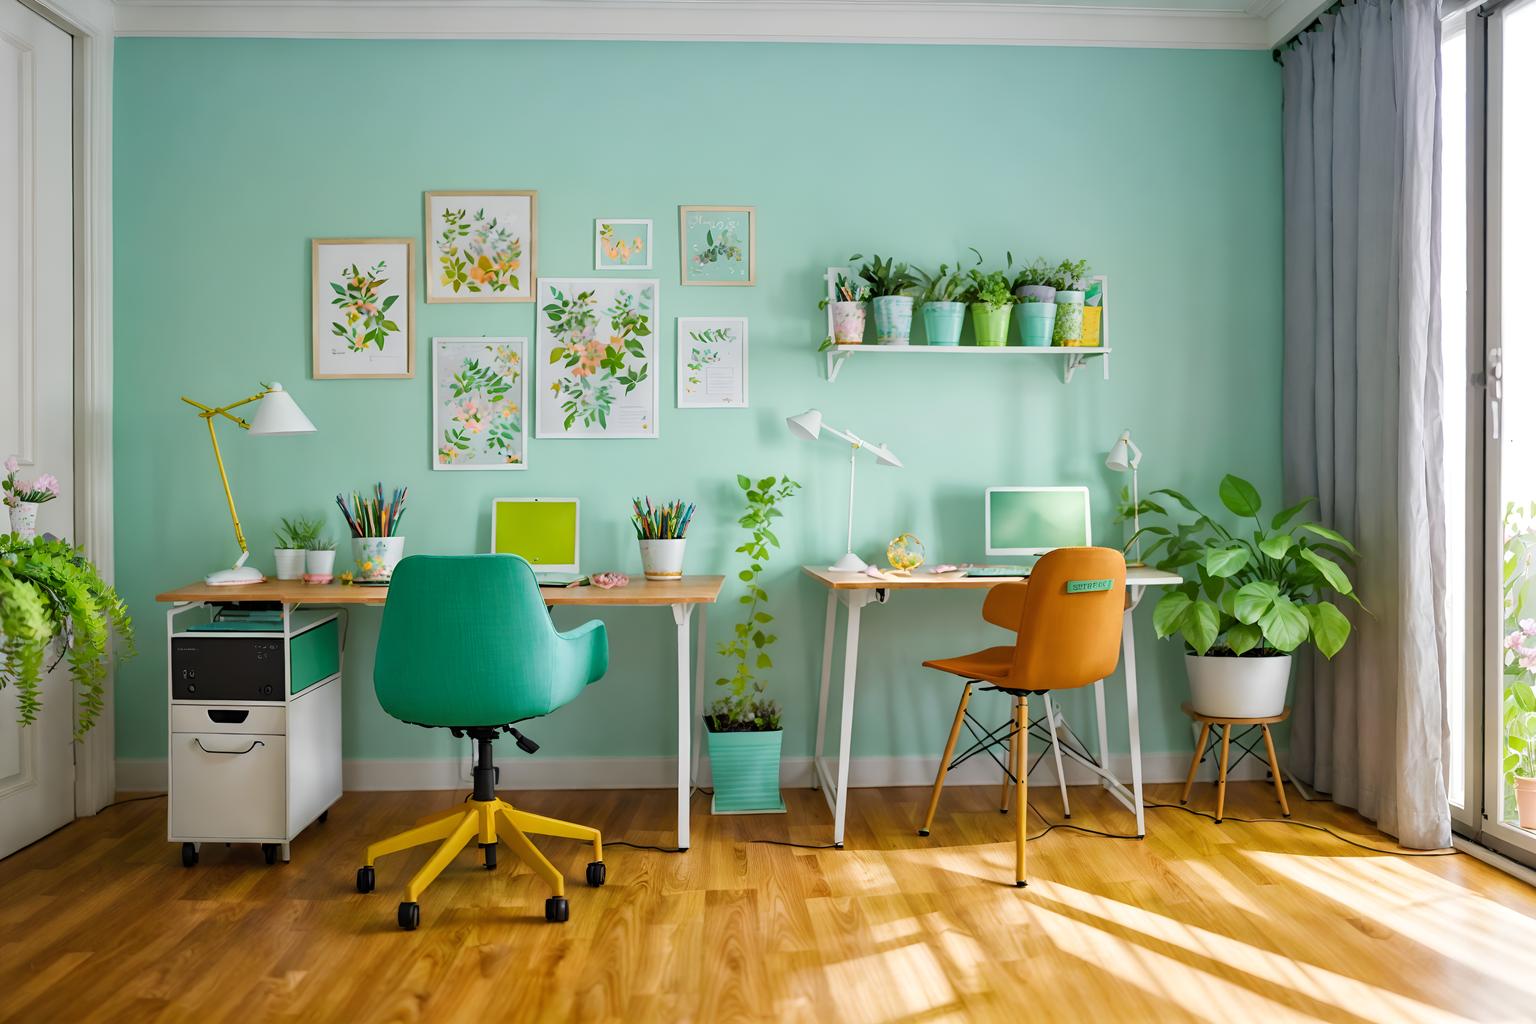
[[482, 246], [712, 362], [479, 403], [622, 244], [719, 244], [596, 357], [362, 294]]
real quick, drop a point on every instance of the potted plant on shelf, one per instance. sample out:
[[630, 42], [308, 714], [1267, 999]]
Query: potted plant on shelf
[[942, 293], [1067, 279], [292, 540], [745, 728], [849, 312], [890, 285], [1034, 281], [991, 306], [23, 497], [52, 600], [1249, 601]]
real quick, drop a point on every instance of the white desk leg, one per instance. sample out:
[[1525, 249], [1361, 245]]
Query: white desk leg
[[826, 686], [857, 599], [1133, 717], [700, 660], [1103, 717], [681, 614]]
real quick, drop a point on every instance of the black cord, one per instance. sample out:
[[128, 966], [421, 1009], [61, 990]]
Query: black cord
[[1308, 825], [133, 800], [643, 846], [798, 846], [1051, 826]]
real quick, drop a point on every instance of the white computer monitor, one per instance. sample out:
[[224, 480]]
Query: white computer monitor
[[545, 531], [1034, 520]]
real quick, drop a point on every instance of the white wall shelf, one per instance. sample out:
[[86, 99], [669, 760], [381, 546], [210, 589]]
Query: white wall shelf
[[1071, 358]]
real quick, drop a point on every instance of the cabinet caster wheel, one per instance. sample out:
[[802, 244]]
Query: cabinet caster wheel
[[188, 855], [597, 874], [922, 832], [269, 852], [408, 916], [557, 910], [365, 879], [324, 816], [490, 855]]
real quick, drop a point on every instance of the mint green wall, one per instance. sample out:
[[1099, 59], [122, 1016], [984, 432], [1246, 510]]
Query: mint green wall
[[1162, 167]]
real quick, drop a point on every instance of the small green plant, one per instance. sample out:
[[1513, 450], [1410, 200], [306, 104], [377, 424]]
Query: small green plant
[[745, 708], [1267, 593], [52, 597], [320, 542], [942, 285], [885, 277], [1035, 272], [299, 534], [1068, 276], [990, 288]]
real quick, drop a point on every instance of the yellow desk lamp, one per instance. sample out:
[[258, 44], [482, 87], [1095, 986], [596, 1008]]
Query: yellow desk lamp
[[277, 414]]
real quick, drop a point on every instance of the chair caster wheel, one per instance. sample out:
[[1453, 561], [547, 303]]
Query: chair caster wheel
[[408, 916], [269, 852], [489, 849], [557, 909], [325, 816], [365, 879], [188, 855], [1020, 885], [922, 832], [597, 874]]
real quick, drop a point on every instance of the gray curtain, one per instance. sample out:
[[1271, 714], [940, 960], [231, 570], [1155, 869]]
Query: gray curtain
[[1362, 426]]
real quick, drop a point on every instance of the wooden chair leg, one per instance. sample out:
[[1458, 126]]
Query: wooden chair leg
[[1008, 760], [1021, 784], [1274, 769], [949, 752], [1194, 762], [1221, 780]]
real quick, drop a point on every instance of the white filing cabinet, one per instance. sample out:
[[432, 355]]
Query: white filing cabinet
[[255, 725]]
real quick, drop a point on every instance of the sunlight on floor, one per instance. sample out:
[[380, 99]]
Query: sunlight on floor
[[898, 984]]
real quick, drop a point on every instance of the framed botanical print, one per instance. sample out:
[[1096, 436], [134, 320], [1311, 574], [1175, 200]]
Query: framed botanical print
[[719, 244], [622, 244], [483, 245], [362, 297], [479, 403], [595, 351], [712, 362]]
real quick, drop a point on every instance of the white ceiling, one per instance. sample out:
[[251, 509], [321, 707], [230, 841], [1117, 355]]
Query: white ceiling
[[1211, 24]]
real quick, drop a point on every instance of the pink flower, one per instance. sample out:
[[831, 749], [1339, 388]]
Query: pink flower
[[11, 465], [47, 482]]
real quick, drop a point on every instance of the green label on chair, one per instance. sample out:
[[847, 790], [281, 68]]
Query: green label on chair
[[1087, 586]]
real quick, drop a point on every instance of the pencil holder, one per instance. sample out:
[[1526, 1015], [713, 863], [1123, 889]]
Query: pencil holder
[[662, 559], [377, 557]]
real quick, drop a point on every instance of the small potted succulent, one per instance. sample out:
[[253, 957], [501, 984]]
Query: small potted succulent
[[23, 497], [319, 558], [291, 545], [890, 285], [1034, 281], [1067, 279], [991, 306], [942, 293], [849, 312]]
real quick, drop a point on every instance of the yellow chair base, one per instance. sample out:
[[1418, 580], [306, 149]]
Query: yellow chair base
[[487, 822]]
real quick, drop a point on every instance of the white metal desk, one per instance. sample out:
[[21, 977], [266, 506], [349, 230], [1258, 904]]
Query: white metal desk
[[854, 590]]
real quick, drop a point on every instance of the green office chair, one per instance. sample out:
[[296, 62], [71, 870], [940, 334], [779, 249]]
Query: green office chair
[[467, 645]]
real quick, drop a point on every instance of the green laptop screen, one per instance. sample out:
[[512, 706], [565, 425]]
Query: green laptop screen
[[1036, 520], [543, 532]]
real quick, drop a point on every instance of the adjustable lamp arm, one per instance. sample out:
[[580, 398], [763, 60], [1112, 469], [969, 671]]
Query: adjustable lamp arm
[[207, 414]]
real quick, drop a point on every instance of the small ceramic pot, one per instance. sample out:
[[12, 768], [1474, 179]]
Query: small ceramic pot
[[1044, 292], [662, 559], [1069, 319], [848, 323], [893, 319], [1525, 801], [377, 557], [24, 519], [991, 323], [1035, 322], [942, 321], [320, 562], [290, 562]]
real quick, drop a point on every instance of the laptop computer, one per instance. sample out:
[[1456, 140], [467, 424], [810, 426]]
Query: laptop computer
[[1030, 521], [546, 532]]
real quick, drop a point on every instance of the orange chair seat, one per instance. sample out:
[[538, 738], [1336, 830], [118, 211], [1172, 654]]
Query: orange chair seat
[[991, 665]]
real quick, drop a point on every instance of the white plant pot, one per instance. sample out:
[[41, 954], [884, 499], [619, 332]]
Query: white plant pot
[[320, 563], [377, 557], [1525, 801], [1229, 687], [290, 562], [662, 559], [24, 519]]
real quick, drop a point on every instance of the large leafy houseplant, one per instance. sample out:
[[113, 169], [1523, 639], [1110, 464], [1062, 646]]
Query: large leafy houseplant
[[885, 277], [1261, 592], [53, 601]]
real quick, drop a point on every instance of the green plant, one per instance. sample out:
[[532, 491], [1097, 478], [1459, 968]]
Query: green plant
[[942, 285], [990, 288], [744, 708], [1035, 272], [52, 596], [1068, 275], [366, 314], [1518, 595], [1266, 594], [885, 277], [299, 534]]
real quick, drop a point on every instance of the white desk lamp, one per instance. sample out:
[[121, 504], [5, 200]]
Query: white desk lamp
[[1126, 456], [277, 414], [808, 426]]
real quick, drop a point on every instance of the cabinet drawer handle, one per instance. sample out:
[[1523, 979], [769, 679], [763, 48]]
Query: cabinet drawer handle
[[224, 716], [254, 744]]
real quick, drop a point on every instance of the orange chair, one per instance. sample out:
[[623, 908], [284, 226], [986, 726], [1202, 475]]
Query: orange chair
[[1067, 619]]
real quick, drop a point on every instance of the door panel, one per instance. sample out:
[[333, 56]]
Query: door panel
[[36, 372]]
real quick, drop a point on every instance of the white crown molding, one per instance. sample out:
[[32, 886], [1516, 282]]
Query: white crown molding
[[1290, 15], [979, 22]]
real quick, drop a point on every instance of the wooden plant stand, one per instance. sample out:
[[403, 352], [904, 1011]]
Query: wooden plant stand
[[1247, 726]]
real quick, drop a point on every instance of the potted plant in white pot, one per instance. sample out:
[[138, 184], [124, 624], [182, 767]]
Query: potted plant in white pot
[[942, 295], [745, 728], [319, 558], [890, 286], [1068, 279], [850, 308], [1250, 600], [1033, 281], [290, 542], [23, 497]]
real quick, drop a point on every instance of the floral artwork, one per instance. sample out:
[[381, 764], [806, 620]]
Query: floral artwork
[[361, 317], [479, 403], [719, 244], [482, 246], [711, 362], [622, 245], [596, 358]]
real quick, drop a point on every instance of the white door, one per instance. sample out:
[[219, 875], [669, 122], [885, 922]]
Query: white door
[[37, 339]]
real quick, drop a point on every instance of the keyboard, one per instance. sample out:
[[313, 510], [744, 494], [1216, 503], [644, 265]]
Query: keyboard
[[998, 570]]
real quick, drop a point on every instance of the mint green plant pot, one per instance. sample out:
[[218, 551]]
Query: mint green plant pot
[[942, 321], [893, 319], [991, 323], [745, 767], [1036, 320]]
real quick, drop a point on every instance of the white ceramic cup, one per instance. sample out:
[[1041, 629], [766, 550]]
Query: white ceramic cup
[[662, 559], [377, 557]]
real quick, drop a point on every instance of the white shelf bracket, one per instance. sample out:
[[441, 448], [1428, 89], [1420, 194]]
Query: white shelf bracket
[[835, 361]]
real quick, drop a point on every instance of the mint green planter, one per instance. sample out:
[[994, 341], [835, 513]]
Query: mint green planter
[[1036, 320], [893, 319], [942, 321], [991, 323], [745, 768]]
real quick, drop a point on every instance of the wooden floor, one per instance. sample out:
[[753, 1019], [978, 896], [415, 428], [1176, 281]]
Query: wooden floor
[[1197, 922]]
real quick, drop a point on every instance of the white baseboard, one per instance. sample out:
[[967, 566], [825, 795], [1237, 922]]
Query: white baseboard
[[546, 773]]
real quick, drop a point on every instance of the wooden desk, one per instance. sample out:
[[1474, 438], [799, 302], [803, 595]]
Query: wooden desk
[[854, 590], [682, 596]]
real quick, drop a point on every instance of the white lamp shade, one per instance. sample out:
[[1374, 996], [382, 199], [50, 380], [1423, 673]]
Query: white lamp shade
[[884, 456], [806, 426], [1124, 455], [278, 413]]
